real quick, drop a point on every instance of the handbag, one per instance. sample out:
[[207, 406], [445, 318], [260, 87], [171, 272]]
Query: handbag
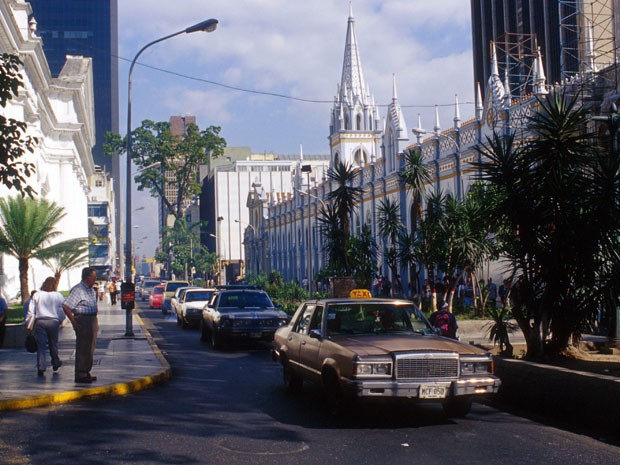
[[31, 343]]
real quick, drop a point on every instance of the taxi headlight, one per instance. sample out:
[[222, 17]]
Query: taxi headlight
[[476, 367], [371, 368]]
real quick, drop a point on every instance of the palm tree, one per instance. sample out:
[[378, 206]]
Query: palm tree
[[391, 227], [75, 254], [344, 198], [558, 203], [27, 226], [415, 175]]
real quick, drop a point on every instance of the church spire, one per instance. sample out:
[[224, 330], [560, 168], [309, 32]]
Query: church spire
[[352, 74]]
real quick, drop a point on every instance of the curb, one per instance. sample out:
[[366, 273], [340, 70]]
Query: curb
[[118, 389]]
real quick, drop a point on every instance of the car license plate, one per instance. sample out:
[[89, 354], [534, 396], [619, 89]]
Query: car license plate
[[433, 391]]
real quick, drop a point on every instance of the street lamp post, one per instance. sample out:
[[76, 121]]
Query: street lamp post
[[255, 234], [207, 26]]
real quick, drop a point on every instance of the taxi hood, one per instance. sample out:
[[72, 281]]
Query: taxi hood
[[370, 344]]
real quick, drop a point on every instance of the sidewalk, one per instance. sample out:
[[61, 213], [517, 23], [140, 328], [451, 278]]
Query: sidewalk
[[122, 365]]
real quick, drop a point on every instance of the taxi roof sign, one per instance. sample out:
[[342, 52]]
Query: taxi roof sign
[[360, 294]]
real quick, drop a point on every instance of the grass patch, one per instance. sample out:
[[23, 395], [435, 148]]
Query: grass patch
[[15, 314]]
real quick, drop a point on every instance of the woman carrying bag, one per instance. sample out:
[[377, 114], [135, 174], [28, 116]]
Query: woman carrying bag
[[45, 314]]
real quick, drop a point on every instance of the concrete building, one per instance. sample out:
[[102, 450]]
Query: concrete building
[[226, 187], [59, 112], [101, 227]]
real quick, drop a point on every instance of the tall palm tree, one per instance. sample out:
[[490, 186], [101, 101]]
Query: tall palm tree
[[344, 198], [416, 176], [390, 228], [560, 243], [27, 226], [75, 254]]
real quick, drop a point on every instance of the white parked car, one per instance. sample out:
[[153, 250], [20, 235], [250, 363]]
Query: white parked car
[[190, 304]]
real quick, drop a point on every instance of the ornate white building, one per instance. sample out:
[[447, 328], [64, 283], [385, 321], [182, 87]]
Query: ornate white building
[[292, 243], [59, 112]]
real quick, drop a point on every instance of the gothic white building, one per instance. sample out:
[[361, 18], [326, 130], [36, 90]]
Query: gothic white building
[[59, 112], [292, 243]]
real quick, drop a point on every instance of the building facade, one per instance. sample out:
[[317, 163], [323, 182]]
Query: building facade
[[89, 29], [228, 186], [289, 226], [59, 111]]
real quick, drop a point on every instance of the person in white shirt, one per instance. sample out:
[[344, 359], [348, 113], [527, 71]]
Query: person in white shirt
[[45, 314]]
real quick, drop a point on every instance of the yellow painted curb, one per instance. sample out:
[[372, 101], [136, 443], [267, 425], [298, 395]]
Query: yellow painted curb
[[119, 389]]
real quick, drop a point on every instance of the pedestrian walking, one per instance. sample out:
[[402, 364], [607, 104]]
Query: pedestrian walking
[[45, 313], [81, 309], [113, 290], [4, 308]]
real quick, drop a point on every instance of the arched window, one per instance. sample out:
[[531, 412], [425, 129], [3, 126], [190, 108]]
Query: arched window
[[336, 158], [358, 122], [346, 120]]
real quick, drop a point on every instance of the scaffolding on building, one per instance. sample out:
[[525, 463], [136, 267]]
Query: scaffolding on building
[[588, 50]]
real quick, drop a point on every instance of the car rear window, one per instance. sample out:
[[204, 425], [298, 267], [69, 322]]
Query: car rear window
[[158, 290], [245, 300], [148, 284], [171, 287], [194, 296]]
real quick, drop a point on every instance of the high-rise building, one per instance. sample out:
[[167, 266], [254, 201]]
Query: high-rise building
[[572, 35], [88, 28]]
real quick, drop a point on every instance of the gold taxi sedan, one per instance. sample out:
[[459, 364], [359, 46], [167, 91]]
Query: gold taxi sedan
[[366, 347]]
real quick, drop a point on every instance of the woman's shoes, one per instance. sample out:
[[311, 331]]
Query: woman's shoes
[[56, 367], [40, 373]]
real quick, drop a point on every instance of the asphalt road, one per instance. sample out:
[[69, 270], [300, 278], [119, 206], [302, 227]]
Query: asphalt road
[[231, 408]]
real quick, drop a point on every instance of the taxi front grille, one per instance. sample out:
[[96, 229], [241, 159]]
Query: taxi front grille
[[427, 366]]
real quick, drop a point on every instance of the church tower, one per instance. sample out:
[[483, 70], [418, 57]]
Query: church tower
[[355, 132]]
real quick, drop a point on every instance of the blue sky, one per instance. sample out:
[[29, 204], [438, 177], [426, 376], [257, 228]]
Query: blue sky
[[293, 48]]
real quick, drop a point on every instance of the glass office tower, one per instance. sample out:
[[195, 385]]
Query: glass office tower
[[88, 28]]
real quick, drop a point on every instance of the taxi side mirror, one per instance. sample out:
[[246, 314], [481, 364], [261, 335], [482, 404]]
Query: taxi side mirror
[[316, 334]]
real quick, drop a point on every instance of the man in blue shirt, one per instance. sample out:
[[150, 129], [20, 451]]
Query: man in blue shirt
[[4, 308], [81, 309]]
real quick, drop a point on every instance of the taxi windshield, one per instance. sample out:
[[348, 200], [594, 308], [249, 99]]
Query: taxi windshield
[[365, 318]]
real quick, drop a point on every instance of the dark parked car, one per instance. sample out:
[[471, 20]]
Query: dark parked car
[[380, 348], [241, 313]]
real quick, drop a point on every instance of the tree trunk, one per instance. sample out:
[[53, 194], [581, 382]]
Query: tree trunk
[[23, 278]]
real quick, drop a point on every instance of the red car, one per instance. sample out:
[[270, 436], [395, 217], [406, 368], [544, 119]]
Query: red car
[[157, 296]]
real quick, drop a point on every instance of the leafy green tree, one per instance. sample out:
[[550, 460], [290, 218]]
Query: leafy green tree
[[75, 254], [558, 203], [166, 159], [14, 143], [27, 226]]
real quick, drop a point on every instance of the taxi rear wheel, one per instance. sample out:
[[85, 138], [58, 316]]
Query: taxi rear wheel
[[457, 406]]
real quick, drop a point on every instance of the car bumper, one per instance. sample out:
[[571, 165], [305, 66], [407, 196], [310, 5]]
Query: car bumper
[[412, 389], [193, 318], [262, 334]]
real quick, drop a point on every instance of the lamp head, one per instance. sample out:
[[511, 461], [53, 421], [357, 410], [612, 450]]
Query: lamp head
[[208, 25]]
